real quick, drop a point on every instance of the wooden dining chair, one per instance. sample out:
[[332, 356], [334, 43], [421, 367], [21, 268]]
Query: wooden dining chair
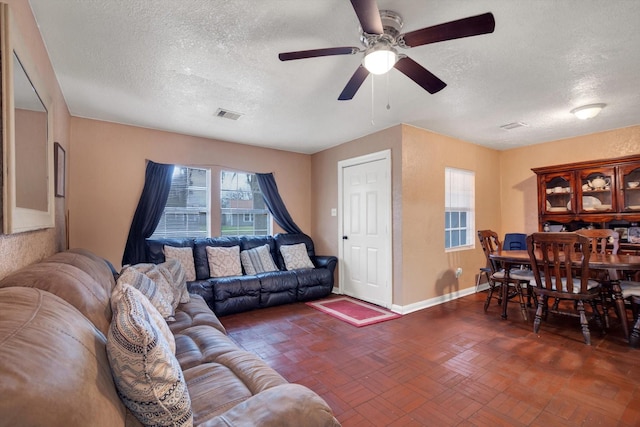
[[599, 238], [517, 279], [603, 240], [551, 256], [484, 271]]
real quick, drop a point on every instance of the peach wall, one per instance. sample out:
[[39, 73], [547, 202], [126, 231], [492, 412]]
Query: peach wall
[[519, 189], [428, 271], [422, 270], [22, 249], [324, 184], [107, 176]]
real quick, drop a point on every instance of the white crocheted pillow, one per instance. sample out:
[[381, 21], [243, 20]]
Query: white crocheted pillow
[[224, 261], [296, 257], [185, 256], [145, 370]]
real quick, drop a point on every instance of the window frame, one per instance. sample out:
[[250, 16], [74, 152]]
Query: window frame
[[226, 212], [463, 205], [187, 210]]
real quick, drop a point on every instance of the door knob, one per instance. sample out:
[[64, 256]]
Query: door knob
[[345, 237]]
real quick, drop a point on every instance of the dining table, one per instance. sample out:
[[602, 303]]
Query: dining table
[[613, 264]]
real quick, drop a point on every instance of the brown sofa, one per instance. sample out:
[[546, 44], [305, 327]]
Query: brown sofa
[[54, 370]]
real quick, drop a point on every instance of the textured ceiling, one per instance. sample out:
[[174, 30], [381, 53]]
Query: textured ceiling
[[170, 65]]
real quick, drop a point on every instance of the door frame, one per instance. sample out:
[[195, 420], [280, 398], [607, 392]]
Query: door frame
[[385, 156]]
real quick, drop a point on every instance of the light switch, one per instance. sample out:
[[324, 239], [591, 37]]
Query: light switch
[[334, 212]]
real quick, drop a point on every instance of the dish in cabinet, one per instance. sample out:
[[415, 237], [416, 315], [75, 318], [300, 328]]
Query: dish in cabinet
[[590, 203]]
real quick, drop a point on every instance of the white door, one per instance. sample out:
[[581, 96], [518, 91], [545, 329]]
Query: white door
[[365, 269]]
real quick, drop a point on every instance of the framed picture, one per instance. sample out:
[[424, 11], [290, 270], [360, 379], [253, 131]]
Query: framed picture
[[622, 231], [59, 167]]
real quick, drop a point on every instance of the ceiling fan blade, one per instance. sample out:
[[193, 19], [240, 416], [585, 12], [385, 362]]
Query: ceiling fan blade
[[466, 27], [354, 84], [301, 54], [368, 15], [420, 75]]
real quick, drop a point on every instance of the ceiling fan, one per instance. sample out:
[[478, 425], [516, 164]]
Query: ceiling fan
[[380, 36]]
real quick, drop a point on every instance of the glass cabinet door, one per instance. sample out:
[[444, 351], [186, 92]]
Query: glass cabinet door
[[629, 188], [596, 190], [558, 193]]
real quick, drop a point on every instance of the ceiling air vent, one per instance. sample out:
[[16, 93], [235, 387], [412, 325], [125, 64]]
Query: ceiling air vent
[[226, 114], [514, 125]]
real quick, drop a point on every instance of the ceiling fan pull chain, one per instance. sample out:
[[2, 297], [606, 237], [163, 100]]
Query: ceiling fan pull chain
[[388, 94]]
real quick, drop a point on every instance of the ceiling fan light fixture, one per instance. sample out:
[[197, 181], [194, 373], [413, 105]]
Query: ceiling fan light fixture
[[587, 111], [380, 58]]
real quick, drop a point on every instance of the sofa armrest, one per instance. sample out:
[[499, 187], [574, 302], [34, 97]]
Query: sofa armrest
[[202, 288], [326, 261], [282, 406]]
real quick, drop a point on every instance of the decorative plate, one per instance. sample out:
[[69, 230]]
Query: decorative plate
[[590, 203]]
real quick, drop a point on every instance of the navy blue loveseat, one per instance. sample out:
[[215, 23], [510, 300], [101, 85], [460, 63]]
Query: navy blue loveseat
[[227, 295]]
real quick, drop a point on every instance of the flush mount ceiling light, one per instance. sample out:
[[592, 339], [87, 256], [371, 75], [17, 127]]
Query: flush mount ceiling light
[[380, 58], [587, 111]]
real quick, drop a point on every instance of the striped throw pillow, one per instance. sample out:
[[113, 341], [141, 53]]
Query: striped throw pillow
[[257, 260]]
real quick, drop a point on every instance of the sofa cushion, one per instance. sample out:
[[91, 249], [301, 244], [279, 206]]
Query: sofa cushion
[[54, 369], [185, 256], [160, 298], [145, 369], [69, 283], [250, 242], [277, 287], [195, 312], [234, 294], [98, 268], [295, 256], [314, 283], [257, 260], [224, 261], [286, 405], [155, 247]]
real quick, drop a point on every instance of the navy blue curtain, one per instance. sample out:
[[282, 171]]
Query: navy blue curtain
[[157, 183], [274, 202]]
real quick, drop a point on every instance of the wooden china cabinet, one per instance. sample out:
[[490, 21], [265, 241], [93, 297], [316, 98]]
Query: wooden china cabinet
[[599, 193]]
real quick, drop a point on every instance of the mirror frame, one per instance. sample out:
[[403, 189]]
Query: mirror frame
[[17, 219]]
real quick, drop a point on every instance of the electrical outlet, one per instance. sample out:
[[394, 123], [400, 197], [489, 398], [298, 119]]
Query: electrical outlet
[[458, 272]]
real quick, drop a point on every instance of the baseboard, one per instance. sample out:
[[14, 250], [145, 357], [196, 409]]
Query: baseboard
[[406, 309]]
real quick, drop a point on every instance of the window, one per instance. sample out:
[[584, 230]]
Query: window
[[459, 209], [243, 211], [187, 212]]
